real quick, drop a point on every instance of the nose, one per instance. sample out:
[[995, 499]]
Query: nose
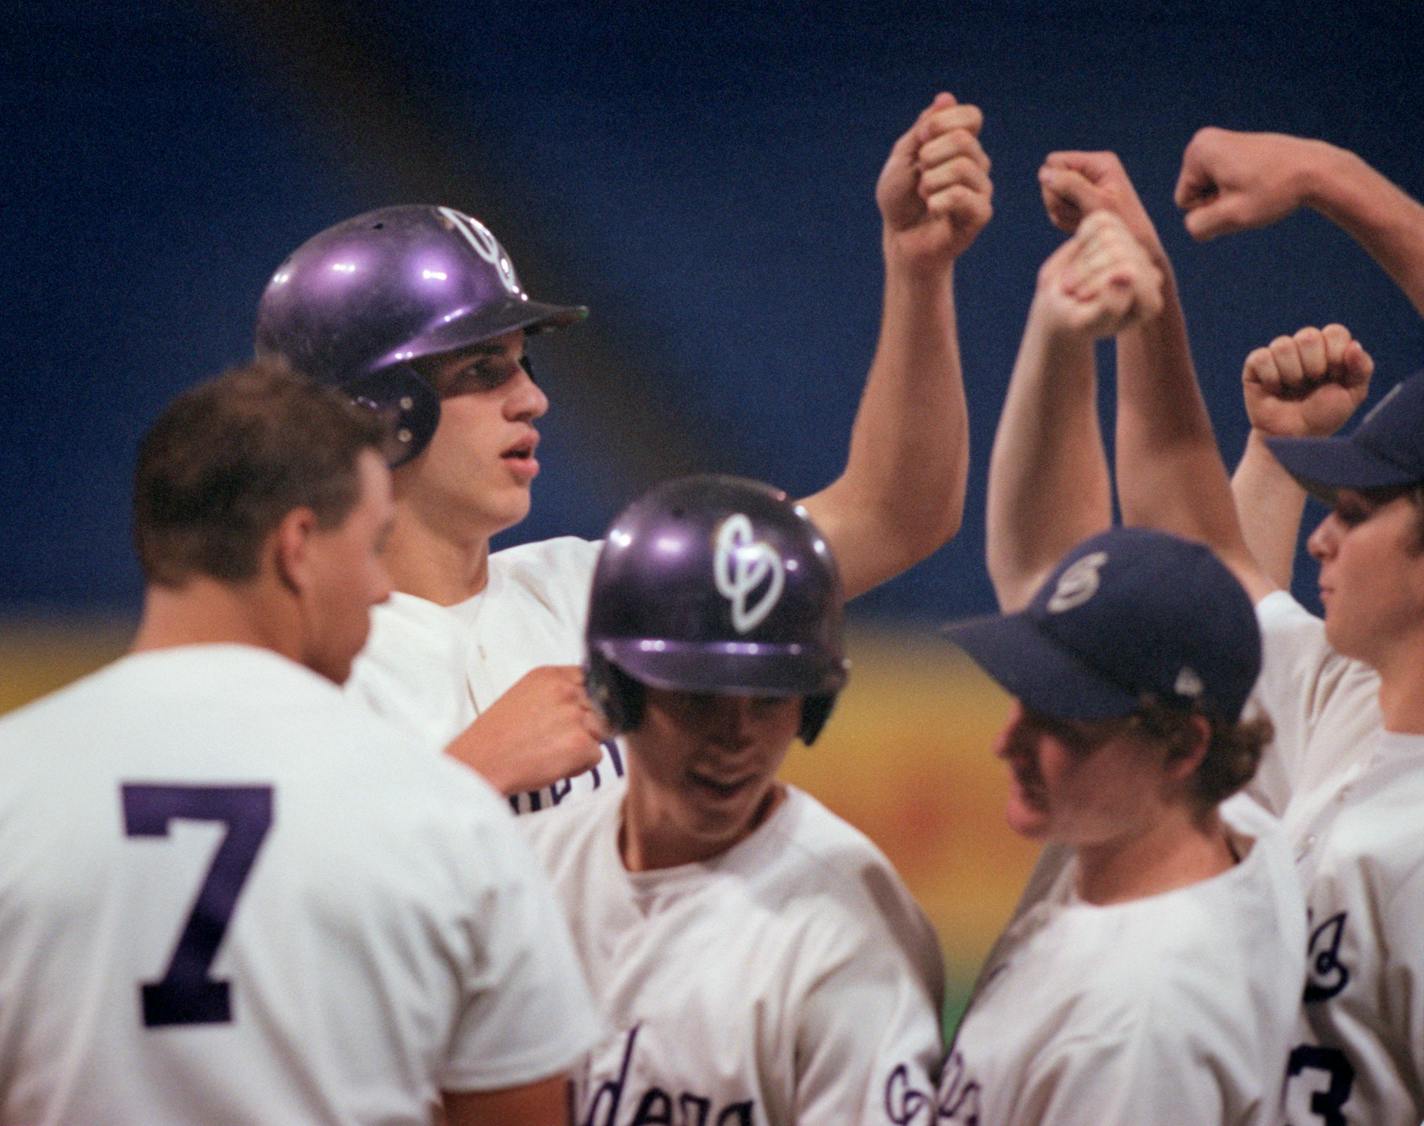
[[1323, 540], [729, 720], [526, 400]]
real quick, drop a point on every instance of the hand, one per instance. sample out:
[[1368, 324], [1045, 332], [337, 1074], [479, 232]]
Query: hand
[[542, 730], [1075, 184], [1100, 281], [1235, 181], [1306, 385], [934, 192]]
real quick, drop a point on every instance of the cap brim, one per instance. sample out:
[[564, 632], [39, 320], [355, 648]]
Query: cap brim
[[1044, 675], [495, 320], [1323, 465], [755, 669]]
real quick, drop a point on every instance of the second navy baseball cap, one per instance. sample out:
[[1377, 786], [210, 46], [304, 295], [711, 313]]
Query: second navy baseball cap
[[1128, 617], [1386, 449]]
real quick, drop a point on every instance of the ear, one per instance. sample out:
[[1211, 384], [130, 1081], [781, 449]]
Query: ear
[[1189, 748], [290, 549]]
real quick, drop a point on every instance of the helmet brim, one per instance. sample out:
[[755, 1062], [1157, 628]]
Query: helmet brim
[[480, 325], [737, 668]]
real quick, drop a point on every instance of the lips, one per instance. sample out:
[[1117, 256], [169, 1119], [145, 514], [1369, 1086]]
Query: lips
[[519, 457], [722, 787], [523, 449]]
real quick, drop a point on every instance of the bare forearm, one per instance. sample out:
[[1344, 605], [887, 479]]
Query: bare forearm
[[1048, 476], [901, 495], [1170, 472], [1270, 505], [1377, 214]]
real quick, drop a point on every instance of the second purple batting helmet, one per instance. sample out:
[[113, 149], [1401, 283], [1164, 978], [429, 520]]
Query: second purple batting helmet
[[719, 585], [356, 303]]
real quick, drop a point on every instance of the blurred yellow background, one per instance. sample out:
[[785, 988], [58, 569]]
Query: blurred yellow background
[[907, 757]]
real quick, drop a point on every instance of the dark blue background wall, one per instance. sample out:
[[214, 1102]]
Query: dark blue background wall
[[701, 176]]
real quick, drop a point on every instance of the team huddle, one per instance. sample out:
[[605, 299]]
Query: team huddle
[[375, 825]]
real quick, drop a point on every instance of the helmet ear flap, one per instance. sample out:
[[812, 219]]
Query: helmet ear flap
[[616, 694], [815, 710], [405, 402]]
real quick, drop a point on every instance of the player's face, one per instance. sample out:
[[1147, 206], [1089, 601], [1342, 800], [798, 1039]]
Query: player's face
[[474, 476], [1371, 577], [704, 766], [349, 575], [1080, 783]]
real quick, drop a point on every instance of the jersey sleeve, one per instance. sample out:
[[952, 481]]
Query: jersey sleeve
[[870, 1041], [528, 1012], [1318, 701]]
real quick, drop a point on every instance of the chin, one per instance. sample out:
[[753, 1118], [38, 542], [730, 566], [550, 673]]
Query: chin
[[1025, 822]]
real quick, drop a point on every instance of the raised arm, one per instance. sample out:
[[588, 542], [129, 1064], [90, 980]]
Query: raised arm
[[1170, 474], [1304, 385], [1235, 181], [1048, 477], [901, 495]]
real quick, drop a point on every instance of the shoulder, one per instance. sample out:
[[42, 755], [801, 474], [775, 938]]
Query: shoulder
[[561, 836], [566, 556], [848, 889]]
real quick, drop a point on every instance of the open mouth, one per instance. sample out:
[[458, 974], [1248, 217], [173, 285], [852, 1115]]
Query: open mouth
[[523, 450], [721, 787]]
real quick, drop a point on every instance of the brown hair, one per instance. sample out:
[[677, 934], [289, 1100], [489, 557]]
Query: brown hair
[[1233, 751], [228, 459]]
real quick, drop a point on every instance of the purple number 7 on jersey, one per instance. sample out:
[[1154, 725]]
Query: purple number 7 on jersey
[[186, 994]]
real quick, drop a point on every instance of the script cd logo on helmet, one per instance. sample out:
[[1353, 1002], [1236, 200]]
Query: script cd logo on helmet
[[741, 564]]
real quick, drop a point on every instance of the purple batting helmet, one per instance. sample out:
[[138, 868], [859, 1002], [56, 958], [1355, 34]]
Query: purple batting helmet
[[719, 585], [356, 303]]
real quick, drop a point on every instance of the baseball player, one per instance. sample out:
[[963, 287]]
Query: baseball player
[[228, 894], [758, 960], [418, 312], [1155, 974], [1352, 773]]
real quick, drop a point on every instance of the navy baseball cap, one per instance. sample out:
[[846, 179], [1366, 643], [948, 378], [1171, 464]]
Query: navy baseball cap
[[1128, 617], [1386, 449]]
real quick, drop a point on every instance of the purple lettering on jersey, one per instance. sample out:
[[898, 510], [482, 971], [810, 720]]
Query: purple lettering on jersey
[[560, 790], [615, 755], [654, 1109], [656, 1105], [186, 994], [1327, 974], [959, 1094]]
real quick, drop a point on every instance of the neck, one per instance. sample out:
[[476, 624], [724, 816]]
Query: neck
[[649, 838], [1401, 693], [1178, 850], [433, 565], [205, 611]]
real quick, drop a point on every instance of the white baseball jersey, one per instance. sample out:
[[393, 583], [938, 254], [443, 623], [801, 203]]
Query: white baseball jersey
[[1325, 710], [434, 668], [1355, 817], [227, 895], [791, 979], [1171, 1008]]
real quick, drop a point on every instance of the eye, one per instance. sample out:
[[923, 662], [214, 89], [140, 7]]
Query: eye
[[485, 374], [1352, 511]]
